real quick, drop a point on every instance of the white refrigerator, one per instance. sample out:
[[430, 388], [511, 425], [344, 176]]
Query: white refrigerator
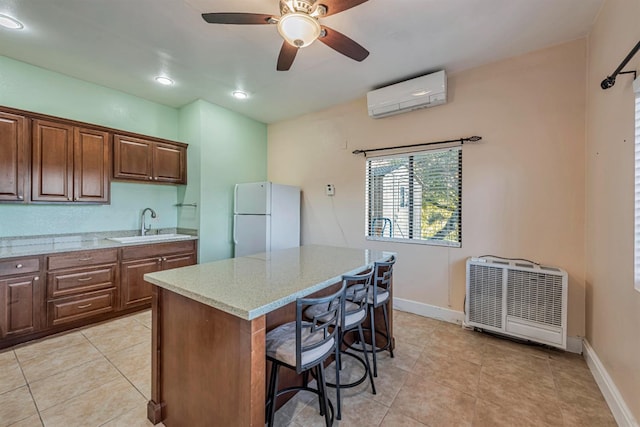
[[266, 217]]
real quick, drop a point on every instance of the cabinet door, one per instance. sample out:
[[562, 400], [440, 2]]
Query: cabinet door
[[176, 261], [91, 166], [52, 165], [169, 163], [132, 158], [13, 157], [19, 305], [133, 289]]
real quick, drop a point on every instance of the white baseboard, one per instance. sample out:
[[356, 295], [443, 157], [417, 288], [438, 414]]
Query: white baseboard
[[616, 403], [426, 310], [574, 344]]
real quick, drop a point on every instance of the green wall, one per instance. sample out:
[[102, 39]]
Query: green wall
[[36, 89], [228, 148], [224, 148]]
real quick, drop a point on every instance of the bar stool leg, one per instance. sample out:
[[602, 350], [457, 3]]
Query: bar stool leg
[[325, 400], [320, 391], [338, 368], [366, 360], [273, 389], [386, 325], [373, 339]]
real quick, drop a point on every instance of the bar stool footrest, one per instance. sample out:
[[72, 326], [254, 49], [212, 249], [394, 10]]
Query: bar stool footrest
[[369, 348]]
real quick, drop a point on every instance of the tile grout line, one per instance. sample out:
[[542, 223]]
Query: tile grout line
[[116, 368], [35, 404]]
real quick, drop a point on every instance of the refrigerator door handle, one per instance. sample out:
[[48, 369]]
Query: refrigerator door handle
[[235, 222], [235, 205]]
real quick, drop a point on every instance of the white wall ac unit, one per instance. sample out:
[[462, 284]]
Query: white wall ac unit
[[421, 92], [517, 298]]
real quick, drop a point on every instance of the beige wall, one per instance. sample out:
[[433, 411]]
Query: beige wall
[[612, 304], [523, 186]]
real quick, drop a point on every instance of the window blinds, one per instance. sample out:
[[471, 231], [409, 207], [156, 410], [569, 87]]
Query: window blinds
[[415, 197], [636, 87]]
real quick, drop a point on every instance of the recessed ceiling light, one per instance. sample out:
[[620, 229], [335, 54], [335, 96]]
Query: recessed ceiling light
[[11, 23], [240, 94], [164, 80]]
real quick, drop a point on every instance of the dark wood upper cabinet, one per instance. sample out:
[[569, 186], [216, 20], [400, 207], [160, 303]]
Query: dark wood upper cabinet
[[14, 159], [47, 159], [69, 163], [149, 160], [91, 166], [169, 163]]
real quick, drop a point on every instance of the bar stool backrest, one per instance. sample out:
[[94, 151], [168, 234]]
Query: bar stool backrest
[[382, 278], [320, 327], [358, 288]]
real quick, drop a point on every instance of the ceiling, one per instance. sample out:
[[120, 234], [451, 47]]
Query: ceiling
[[124, 44]]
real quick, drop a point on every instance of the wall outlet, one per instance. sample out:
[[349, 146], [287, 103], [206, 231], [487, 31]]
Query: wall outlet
[[329, 190]]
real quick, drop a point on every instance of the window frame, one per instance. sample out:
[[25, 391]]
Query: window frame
[[410, 197], [636, 234]]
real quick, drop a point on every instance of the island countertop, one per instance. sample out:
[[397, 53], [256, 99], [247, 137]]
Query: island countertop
[[251, 286]]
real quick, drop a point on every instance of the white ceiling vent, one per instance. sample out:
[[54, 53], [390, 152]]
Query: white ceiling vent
[[422, 92]]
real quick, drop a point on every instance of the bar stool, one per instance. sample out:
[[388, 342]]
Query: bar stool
[[378, 297], [354, 314], [303, 346]]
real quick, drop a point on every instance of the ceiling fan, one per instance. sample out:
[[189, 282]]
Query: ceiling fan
[[299, 26]]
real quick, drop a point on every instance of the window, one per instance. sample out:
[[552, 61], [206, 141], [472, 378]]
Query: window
[[415, 197], [636, 87]]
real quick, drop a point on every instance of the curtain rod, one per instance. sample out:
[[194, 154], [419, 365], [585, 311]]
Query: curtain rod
[[461, 141], [609, 81]]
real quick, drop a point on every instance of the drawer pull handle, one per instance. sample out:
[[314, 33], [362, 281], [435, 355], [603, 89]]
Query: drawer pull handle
[[18, 265], [84, 306], [89, 258], [84, 279]]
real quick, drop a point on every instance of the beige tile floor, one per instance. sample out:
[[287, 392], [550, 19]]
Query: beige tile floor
[[441, 376]]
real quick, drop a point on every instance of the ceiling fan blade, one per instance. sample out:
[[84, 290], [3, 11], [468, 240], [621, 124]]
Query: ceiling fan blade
[[343, 44], [337, 6], [237, 18], [287, 55]]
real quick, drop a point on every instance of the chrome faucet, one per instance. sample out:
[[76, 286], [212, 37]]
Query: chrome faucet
[[143, 228]]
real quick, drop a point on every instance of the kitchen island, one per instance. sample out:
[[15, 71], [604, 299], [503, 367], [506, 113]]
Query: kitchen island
[[209, 325]]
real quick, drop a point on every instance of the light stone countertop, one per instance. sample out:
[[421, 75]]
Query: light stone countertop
[[251, 286], [49, 244]]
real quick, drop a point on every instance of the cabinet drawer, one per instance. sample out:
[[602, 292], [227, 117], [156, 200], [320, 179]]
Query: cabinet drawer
[[158, 249], [19, 266], [79, 280], [79, 259], [86, 305]]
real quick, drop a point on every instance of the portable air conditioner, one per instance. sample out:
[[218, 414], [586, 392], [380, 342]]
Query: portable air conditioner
[[517, 298], [425, 91]]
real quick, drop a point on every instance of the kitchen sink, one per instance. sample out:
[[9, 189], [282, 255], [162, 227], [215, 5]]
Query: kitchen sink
[[150, 238]]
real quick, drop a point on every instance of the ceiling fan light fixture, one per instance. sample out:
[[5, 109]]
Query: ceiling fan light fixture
[[10, 23], [299, 29]]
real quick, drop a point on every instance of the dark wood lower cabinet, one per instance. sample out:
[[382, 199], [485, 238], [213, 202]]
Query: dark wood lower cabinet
[[140, 260], [90, 304], [134, 290], [19, 305], [82, 287]]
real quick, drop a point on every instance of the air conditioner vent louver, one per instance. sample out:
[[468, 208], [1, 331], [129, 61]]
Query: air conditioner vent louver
[[486, 295], [518, 299], [534, 296]]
